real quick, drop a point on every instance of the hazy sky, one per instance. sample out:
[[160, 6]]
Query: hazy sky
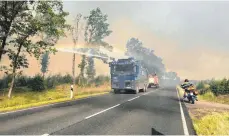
[[190, 37]]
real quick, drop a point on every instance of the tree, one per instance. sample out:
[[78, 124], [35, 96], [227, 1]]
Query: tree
[[75, 37], [146, 56], [96, 30], [44, 63], [91, 69], [82, 67], [43, 21], [10, 12]]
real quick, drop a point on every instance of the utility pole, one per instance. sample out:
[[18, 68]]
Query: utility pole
[[75, 37]]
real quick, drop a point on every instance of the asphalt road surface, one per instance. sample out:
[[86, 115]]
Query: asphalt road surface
[[156, 112]]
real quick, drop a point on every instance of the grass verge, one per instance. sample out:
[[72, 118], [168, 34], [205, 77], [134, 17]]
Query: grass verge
[[209, 121], [27, 99], [214, 123], [209, 96]]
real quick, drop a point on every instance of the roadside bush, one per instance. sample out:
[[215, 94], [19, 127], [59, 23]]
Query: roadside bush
[[101, 80], [219, 86], [50, 82], [37, 83], [200, 85], [5, 81], [67, 79], [54, 80], [21, 81]]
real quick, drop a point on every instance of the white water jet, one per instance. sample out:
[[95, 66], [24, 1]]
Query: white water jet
[[96, 52]]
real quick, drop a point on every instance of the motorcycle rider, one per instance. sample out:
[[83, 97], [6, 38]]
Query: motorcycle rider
[[185, 85]]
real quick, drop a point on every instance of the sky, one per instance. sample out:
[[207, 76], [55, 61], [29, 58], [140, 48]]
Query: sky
[[190, 37]]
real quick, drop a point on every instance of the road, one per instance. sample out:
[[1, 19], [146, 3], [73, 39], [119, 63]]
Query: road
[[157, 111]]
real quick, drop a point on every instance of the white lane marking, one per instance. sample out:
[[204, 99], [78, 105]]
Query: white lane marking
[[133, 98], [102, 111], [183, 118], [45, 135]]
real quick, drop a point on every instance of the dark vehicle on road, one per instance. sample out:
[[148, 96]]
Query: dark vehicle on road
[[129, 75]]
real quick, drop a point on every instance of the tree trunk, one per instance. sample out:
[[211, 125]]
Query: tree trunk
[[73, 69], [75, 40], [14, 71], [11, 86], [2, 47]]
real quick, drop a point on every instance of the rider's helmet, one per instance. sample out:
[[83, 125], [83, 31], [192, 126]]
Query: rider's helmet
[[186, 80]]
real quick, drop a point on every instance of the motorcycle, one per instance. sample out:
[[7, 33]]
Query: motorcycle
[[191, 93]]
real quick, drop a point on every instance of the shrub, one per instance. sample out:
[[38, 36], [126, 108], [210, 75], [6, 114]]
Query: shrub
[[50, 82], [67, 79], [200, 85], [5, 81], [220, 86], [21, 81], [37, 83], [101, 80]]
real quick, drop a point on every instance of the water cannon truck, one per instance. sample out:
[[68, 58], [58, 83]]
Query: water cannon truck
[[128, 75]]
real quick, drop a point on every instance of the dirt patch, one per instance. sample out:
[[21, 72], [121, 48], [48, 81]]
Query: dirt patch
[[203, 108], [199, 113]]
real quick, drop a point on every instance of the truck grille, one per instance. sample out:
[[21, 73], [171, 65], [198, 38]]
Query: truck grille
[[115, 84], [127, 84]]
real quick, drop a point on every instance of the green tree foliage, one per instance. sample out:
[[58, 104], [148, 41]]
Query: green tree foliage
[[49, 82], [21, 81], [200, 85], [44, 63], [44, 20], [220, 86], [10, 14], [82, 67], [5, 81], [149, 60], [37, 83], [136, 50], [90, 69], [96, 30], [101, 80], [67, 79]]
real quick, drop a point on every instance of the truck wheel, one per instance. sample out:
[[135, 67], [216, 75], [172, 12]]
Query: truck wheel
[[145, 89], [116, 91]]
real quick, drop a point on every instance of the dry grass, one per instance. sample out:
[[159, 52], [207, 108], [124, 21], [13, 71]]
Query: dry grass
[[211, 123], [61, 93]]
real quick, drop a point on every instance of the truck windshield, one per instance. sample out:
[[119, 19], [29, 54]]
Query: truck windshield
[[129, 68]]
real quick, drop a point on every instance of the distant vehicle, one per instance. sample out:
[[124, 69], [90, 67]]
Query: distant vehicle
[[153, 81], [129, 75]]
